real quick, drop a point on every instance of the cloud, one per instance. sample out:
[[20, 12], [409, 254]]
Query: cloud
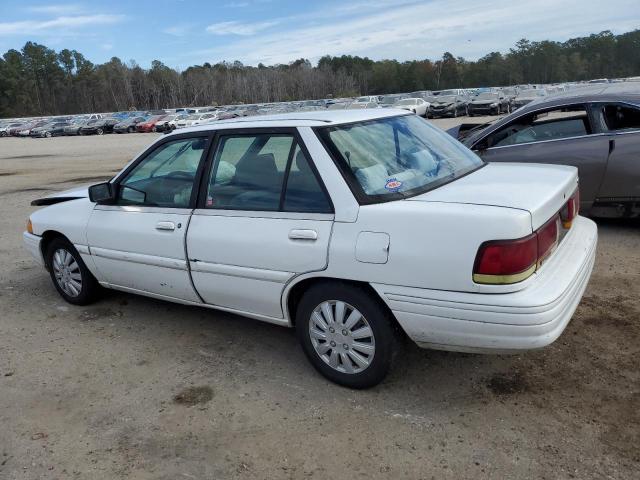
[[236, 4], [58, 9], [63, 23], [396, 29], [177, 30], [237, 28], [106, 46]]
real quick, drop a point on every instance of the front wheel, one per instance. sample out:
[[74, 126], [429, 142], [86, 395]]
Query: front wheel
[[131, 130], [346, 334], [99, 131], [70, 275]]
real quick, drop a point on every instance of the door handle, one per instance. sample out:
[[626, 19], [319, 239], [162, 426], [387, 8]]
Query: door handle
[[303, 235], [170, 226]]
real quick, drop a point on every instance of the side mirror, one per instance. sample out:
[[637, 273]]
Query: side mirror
[[102, 193]]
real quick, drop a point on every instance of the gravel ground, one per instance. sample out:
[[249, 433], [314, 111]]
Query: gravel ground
[[136, 388]]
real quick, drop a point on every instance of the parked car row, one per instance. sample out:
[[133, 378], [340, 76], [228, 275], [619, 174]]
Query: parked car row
[[455, 102]]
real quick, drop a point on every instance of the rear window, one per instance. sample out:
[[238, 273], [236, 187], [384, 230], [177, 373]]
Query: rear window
[[396, 157]]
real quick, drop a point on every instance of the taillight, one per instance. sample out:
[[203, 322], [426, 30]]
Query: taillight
[[512, 261], [506, 261], [548, 238], [570, 209]]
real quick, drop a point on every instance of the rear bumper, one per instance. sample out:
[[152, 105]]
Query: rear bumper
[[526, 319], [32, 245]]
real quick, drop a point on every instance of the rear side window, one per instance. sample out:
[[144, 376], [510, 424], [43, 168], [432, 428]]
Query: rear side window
[[266, 172], [557, 124], [621, 117]]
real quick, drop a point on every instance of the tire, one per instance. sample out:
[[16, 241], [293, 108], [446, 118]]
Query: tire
[[47, 134], [154, 129], [131, 130], [67, 270], [99, 132], [361, 366]]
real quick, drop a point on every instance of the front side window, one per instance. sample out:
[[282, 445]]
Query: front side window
[[396, 157], [165, 177], [264, 172], [565, 122]]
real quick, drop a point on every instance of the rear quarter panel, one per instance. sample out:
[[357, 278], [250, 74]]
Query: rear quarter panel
[[432, 245]]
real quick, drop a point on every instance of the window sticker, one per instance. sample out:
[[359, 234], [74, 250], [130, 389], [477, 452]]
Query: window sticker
[[393, 184]]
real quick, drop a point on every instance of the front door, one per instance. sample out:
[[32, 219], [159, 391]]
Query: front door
[[263, 218], [138, 244]]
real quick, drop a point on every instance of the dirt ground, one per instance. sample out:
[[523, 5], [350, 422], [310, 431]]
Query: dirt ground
[[136, 388]]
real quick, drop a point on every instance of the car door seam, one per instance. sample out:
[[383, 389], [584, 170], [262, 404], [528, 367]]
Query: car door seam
[[186, 256]]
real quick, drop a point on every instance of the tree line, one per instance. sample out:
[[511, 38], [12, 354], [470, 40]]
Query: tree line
[[38, 80]]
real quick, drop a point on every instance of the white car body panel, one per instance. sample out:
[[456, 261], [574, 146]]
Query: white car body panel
[[530, 318], [417, 253], [537, 188], [130, 250], [254, 254]]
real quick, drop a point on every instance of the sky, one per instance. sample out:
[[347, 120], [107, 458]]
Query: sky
[[181, 33]]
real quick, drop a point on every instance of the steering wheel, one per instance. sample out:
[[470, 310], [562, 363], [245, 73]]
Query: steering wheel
[[180, 175]]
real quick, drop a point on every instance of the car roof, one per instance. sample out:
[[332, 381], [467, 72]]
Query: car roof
[[299, 119], [613, 92]]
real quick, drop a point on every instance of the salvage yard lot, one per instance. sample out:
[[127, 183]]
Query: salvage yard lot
[[132, 387]]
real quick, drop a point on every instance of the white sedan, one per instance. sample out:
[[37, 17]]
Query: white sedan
[[415, 105], [352, 226]]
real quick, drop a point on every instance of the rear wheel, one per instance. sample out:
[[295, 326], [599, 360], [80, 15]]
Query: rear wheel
[[47, 134], [99, 131], [131, 130], [69, 274], [346, 334]]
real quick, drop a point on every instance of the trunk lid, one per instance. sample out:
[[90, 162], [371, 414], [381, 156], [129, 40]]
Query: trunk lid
[[542, 190]]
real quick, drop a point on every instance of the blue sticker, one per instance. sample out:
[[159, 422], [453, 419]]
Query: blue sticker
[[393, 185]]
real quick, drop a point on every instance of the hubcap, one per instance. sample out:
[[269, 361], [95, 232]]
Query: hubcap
[[342, 337], [67, 272]]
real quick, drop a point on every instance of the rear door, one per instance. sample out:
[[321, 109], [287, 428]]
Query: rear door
[[622, 178], [560, 135], [263, 218]]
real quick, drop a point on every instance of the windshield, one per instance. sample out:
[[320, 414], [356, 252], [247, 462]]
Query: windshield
[[487, 96], [408, 101], [397, 157], [446, 98]]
